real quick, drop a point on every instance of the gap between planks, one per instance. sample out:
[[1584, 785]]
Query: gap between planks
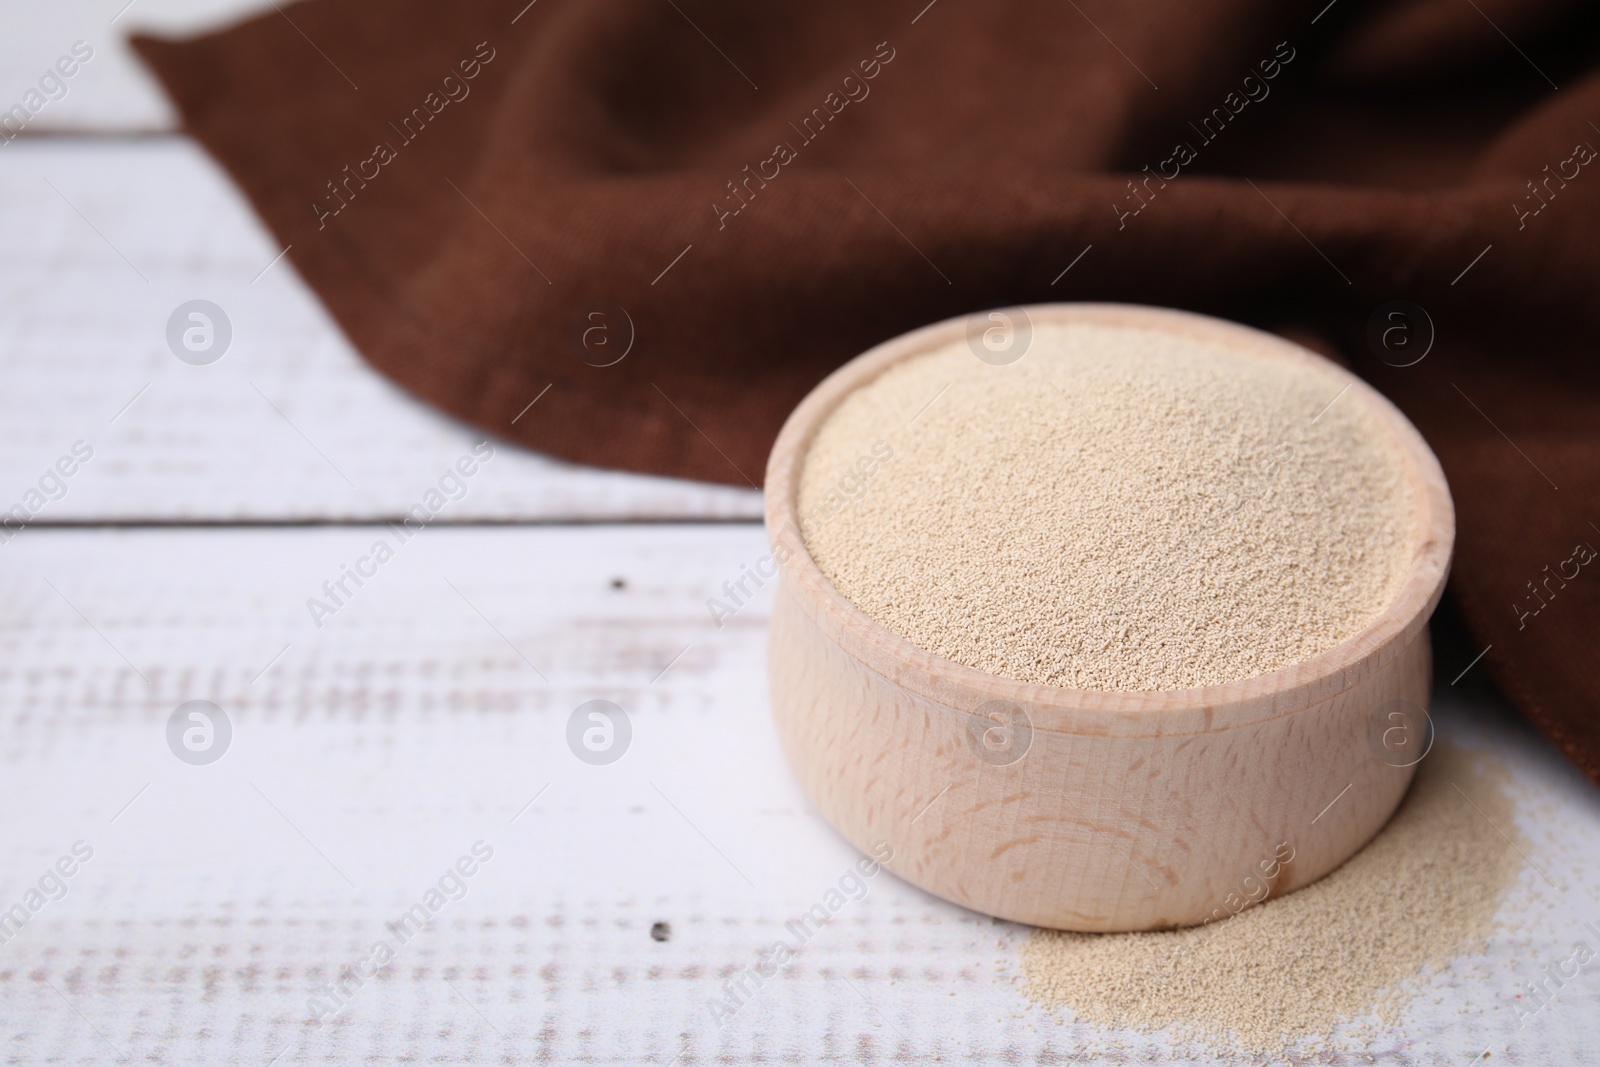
[[296, 524]]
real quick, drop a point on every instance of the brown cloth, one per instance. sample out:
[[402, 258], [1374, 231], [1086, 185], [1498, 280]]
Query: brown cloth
[[679, 215]]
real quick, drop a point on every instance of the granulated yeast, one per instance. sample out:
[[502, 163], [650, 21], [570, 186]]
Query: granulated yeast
[[1422, 891], [1121, 509]]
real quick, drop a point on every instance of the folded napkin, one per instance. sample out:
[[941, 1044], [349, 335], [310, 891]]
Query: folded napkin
[[665, 220]]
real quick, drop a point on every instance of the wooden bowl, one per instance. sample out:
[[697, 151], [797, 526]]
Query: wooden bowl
[[1087, 810]]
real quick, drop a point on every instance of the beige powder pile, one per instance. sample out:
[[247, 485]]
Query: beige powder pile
[[1424, 890], [1121, 509]]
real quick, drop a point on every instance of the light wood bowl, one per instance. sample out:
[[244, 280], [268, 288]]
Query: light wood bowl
[[1086, 810]]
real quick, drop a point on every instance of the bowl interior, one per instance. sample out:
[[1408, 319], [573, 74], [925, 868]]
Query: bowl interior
[[1145, 713]]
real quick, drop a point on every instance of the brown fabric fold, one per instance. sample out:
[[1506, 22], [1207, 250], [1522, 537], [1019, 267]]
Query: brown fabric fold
[[666, 220]]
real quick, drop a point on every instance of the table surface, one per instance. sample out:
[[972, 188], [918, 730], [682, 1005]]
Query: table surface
[[424, 713]]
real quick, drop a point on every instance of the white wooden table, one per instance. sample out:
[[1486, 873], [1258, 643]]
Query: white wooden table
[[430, 711]]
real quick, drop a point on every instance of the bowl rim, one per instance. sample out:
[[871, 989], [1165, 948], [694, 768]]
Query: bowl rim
[[1093, 712]]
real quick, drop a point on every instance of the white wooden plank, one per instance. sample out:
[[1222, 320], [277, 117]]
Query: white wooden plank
[[103, 242], [380, 747], [111, 92]]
